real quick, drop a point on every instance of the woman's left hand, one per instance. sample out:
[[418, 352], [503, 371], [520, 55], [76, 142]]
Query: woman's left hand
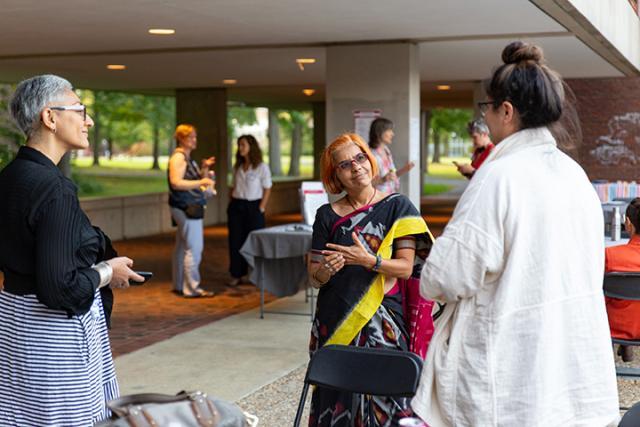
[[356, 254], [207, 163]]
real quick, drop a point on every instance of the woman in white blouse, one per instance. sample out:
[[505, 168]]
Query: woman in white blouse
[[249, 197], [524, 338]]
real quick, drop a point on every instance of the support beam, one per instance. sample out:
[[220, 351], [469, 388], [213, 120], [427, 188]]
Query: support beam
[[206, 109], [383, 76]]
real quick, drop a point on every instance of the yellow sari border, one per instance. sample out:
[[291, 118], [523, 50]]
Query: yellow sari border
[[370, 302]]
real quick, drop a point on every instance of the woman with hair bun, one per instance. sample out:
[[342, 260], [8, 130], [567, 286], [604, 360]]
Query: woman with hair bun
[[523, 339]]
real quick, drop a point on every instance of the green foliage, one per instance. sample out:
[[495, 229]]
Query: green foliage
[[87, 185], [238, 116], [451, 121], [9, 133], [126, 118], [6, 155]]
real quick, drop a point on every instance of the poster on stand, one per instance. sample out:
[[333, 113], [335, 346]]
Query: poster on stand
[[362, 121]]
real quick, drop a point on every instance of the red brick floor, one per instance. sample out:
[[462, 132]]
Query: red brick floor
[[150, 313]]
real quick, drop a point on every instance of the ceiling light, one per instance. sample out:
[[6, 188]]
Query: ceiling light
[[162, 31], [229, 81], [116, 67], [305, 61], [308, 92], [443, 87]]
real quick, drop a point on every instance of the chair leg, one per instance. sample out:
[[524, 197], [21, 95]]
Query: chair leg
[[372, 419], [303, 399]]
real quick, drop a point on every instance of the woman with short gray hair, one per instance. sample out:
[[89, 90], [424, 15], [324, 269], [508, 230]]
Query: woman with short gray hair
[[56, 366], [482, 146]]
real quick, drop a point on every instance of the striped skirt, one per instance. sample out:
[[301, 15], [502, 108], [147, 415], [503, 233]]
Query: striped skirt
[[54, 371]]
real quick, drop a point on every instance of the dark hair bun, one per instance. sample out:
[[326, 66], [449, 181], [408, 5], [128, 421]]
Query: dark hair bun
[[518, 51]]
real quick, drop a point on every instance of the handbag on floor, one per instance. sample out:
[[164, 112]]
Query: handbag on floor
[[186, 409]]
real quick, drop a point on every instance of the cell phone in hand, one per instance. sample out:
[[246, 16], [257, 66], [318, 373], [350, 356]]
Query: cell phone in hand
[[145, 274]]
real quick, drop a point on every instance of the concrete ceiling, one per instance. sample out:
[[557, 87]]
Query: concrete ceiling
[[257, 42]]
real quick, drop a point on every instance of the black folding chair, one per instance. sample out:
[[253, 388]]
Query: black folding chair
[[371, 371], [624, 285], [631, 418]]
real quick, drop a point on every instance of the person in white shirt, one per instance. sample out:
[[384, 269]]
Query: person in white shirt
[[249, 198], [523, 339]]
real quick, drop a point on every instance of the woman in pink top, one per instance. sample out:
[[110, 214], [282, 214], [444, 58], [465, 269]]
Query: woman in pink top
[[380, 138]]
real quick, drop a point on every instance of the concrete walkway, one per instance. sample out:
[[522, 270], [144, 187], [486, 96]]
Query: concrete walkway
[[230, 358]]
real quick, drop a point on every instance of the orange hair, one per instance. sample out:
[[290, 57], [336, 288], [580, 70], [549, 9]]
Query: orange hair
[[183, 130], [328, 167]]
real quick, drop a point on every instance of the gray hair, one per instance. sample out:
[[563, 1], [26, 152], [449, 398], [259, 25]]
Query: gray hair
[[477, 126], [32, 96]]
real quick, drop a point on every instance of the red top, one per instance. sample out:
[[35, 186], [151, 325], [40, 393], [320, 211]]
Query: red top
[[480, 155], [624, 316]]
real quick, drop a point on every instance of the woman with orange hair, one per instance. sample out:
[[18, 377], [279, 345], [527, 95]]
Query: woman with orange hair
[[362, 244], [188, 187]]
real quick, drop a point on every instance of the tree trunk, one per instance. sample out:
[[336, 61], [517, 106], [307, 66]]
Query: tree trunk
[[274, 144], [109, 142], [446, 144], [96, 138], [296, 149], [436, 146], [156, 145]]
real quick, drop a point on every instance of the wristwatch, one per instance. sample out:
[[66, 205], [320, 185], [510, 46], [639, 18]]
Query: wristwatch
[[378, 263]]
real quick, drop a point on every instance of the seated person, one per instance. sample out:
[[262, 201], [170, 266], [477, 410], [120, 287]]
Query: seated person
[[624, 316], [482, 146]]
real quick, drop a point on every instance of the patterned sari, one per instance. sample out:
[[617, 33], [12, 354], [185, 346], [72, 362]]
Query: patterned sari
[[353, 309]]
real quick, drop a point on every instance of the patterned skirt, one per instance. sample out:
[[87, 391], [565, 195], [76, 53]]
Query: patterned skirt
[[54, 370], [331, 408]]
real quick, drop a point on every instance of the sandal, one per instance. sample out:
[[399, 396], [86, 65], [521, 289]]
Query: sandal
[[201, 293], [233, 282]]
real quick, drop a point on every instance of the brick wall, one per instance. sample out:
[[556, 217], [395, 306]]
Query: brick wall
[[609, 112]]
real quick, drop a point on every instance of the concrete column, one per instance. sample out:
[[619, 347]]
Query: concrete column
[[319, 135], [383, 76], [206, 109], [275, 162], [479, 95], [425, 126]]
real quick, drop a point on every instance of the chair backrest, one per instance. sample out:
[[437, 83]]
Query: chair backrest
[[631, 418], [623, 285], [312, 196], [372, 371]]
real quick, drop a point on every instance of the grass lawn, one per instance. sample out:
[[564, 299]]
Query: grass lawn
[[139, 163], [122, 176], [433, 189], [446, 169]]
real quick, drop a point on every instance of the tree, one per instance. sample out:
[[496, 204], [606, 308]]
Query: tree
[[160, 112], [445, 122], [10, 135], [238, 116]]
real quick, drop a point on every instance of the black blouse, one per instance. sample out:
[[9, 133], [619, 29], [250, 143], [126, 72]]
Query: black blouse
[[47, 244]]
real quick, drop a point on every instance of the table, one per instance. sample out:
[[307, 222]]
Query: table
[[276, 256]]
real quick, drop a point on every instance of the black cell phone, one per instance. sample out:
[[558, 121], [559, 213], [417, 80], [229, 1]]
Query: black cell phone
[[146, 274]]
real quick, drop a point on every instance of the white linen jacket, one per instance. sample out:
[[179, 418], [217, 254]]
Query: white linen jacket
[[524, 338]]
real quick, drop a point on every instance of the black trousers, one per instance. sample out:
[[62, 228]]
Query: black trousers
[[243, 216]]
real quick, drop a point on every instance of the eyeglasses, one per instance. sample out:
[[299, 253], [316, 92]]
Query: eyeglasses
[[484, 106], [359, 159], [81, 108]]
